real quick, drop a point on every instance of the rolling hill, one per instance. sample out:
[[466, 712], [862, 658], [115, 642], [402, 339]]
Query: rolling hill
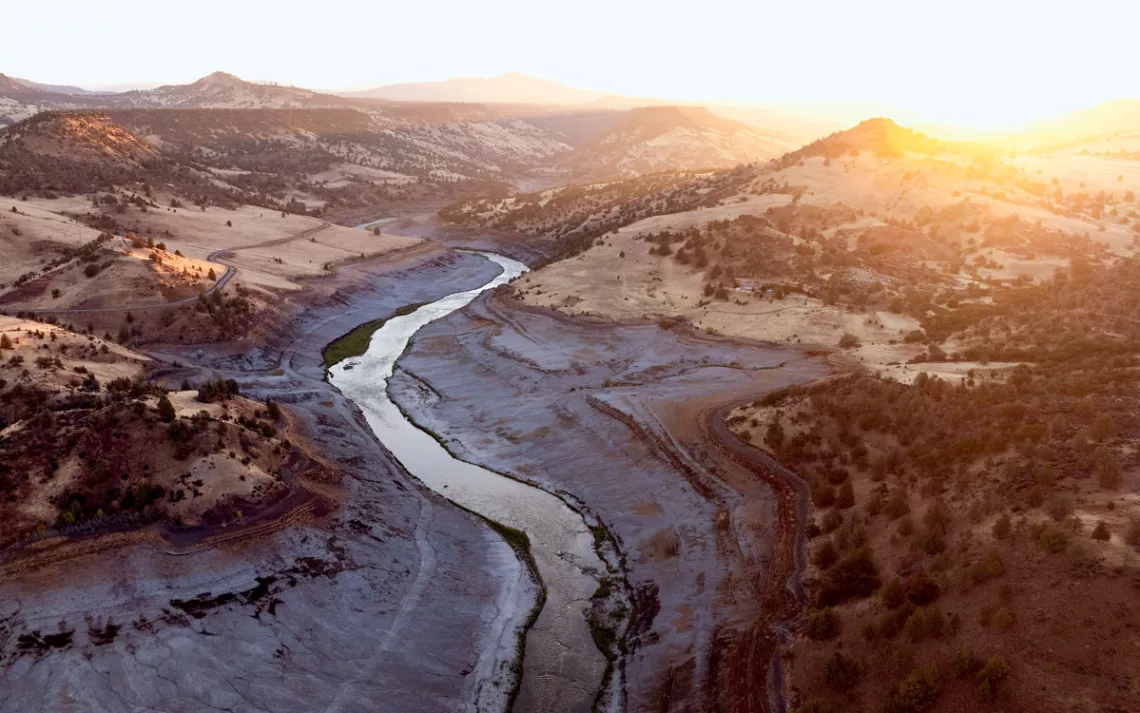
[[654, 139]]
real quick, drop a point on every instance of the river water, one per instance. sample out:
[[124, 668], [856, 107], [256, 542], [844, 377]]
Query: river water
[[563, 667]]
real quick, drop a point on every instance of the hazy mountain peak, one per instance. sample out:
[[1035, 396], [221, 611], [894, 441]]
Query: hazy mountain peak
[[11, 84], [220, 79], [510, 88]]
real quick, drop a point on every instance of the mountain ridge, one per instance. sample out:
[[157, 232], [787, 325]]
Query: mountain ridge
[[510, 88]]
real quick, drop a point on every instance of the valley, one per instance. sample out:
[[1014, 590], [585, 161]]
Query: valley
[[371, 401]]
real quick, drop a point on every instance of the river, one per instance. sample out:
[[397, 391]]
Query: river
[[562, 667]]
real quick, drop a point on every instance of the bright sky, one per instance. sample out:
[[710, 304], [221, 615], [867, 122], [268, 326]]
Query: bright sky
[[984, 62]]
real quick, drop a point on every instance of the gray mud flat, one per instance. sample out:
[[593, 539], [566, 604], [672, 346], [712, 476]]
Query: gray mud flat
[[562, 668], [397, 601], [618, 417]]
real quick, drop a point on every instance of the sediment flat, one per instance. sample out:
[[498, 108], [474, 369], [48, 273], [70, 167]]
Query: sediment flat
[[622, 418], [394, 598], [390, 593]]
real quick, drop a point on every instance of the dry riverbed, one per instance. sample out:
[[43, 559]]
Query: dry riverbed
[[398, 596], [622, 418]]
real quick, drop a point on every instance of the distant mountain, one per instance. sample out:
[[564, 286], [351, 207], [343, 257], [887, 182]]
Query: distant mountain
[[52, 88], [11, 85], [124, 87], [20, 100], [673, 137], [224, 91], [798, 128], [511, 88], [881, 137], [1118, 118]]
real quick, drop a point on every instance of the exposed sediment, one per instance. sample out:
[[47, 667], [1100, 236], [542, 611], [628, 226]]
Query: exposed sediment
[[626, 419], [396, 601], [397, 598]]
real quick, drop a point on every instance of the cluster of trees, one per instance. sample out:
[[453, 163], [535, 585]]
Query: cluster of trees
[[933, 460], [218, 390]]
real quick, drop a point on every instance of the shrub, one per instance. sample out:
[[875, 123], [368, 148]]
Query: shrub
[[1002, 527], [966, 663], [922, 590], [1051, 539], [842, 672], [893, 594], [1107, 469], [932, 543], [1101, 533], [218, 390], [898, 504], [846, 497], [916, 693], [165, 409], [989, 676], [823, 496], [925, 622], [1002, 619], [825, 555], [848, 341], [1060, 507], [832, 520], [891, 623], [856, 575], [823, 624]]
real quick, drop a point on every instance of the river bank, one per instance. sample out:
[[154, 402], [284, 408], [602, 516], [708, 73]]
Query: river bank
[[399, 596], [562, 669], [396, 596], [619, 415]]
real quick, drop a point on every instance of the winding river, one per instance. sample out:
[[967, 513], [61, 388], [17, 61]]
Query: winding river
[[562, 668]]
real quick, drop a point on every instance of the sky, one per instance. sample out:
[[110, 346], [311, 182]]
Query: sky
[[990, 64]]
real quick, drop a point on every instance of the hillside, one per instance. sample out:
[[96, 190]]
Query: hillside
[[569, 220], [86, 445], [882, 137], [300, 160], [78, 152], [21, 100], [336, 159], [79, 137], [671, 138], [519, 127], [960, 493], [225, 91], [53, 88]]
